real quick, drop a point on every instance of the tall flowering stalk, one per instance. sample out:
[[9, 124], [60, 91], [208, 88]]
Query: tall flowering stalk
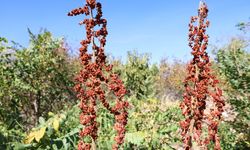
[[200, 89], [96, 79]]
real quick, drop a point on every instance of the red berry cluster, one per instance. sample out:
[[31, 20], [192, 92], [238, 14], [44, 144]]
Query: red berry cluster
[[96, 78], [200, 88]]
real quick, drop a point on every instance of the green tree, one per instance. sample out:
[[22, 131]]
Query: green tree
[[234, 65], [8, 102], [139, 75], [9, 114], [43, 75], [36, 80]]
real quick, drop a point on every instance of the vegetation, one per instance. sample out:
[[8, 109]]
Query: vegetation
[[202, 103], [39, 100], [96, 82], [234, 61]]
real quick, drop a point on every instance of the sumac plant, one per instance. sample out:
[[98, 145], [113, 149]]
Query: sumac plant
[[96, 82], [202, 103]]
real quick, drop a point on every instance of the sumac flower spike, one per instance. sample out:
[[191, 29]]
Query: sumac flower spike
[[200, 89], [96, 78]]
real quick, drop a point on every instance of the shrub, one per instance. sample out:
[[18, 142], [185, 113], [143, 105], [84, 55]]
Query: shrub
[[234, 64], [59, 131], [169, 82], [139, 76]]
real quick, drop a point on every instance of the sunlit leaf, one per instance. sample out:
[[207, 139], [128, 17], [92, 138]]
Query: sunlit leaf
[[56, 124], [30, 137], [39, 134]]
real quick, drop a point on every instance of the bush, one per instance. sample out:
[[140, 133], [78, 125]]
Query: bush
[[170, 79], [60, 131], [234, 65], [139, 76], [34, 77]]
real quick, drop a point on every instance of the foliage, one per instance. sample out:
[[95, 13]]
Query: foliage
[[8, 103], [60, 131], [234, 64], [169, 80], [243, 26], [153, 125], [139, 76], [9, 135], [38, 80], [160, 131], [33, 77]]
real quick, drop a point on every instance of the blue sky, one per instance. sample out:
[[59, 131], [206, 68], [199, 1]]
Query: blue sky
[[158, 27]]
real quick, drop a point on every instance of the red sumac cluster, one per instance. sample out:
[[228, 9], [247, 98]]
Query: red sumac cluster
[[96, 80], [200, 89]]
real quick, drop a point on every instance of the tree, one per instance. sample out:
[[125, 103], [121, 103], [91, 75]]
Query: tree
[[9, 112], [139, 76], [170, 78], [234, 66], [35, 77]]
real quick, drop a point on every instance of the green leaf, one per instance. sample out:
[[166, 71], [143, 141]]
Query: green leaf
[[136, 137]]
